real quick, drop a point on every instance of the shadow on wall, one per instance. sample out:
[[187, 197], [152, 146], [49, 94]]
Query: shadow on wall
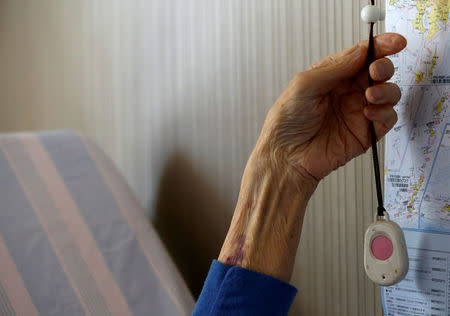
[[189, 218]]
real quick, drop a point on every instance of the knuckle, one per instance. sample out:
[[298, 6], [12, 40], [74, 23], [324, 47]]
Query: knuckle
[[300, 82], [297, 77], [332, 59]]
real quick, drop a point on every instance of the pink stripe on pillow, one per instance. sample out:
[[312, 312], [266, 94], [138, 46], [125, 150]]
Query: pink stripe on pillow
[[53, 224], [76, 225], [148, 239], [13, 284], [12, 151]]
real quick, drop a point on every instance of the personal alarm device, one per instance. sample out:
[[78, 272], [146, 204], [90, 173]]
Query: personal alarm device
[[385, 254]]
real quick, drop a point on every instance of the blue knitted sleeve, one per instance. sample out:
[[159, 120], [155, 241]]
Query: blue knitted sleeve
[[235, 291]]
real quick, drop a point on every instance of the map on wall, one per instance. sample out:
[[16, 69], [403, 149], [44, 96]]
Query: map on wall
[[417, 164], [417, 181]]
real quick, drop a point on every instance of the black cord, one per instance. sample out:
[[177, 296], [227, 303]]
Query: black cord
[[373, 136]]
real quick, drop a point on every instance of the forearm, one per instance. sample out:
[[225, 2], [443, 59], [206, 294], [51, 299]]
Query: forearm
[[267, 223]]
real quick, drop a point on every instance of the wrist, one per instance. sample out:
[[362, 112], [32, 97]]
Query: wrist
[[266, 226]]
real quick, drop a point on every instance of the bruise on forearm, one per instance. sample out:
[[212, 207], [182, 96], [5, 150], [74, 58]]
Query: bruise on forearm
[[237, 256]]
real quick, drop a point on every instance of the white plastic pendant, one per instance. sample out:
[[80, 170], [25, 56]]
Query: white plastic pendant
[[372, 14], [385, 254]]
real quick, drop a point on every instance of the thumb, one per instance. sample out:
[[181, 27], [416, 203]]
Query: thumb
[[326, 74]]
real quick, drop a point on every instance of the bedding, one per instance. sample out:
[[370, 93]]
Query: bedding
[[73, 238]]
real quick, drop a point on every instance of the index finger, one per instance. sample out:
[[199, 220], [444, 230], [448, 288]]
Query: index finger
[[385, 44]]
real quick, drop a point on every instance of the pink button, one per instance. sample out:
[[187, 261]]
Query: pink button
[[381, 247]]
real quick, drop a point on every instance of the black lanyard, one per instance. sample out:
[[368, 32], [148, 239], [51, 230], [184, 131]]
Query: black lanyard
[[373, 136]]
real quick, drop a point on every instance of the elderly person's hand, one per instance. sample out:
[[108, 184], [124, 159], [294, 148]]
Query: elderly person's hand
[[318, 124]]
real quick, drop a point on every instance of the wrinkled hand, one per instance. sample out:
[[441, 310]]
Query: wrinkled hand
[[321, 121]]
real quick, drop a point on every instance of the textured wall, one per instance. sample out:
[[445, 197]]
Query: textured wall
[[176, 93]]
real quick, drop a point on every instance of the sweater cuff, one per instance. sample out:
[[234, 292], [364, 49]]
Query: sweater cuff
[[235, 291]]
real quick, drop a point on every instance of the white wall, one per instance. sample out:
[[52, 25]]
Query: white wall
[[176, 93]]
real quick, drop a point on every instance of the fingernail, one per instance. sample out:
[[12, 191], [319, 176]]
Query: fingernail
[[400, 41], [397, 41], [381, 70], [377, 94]]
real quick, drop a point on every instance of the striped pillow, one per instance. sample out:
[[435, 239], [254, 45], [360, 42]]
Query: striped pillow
[[73, 239]]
